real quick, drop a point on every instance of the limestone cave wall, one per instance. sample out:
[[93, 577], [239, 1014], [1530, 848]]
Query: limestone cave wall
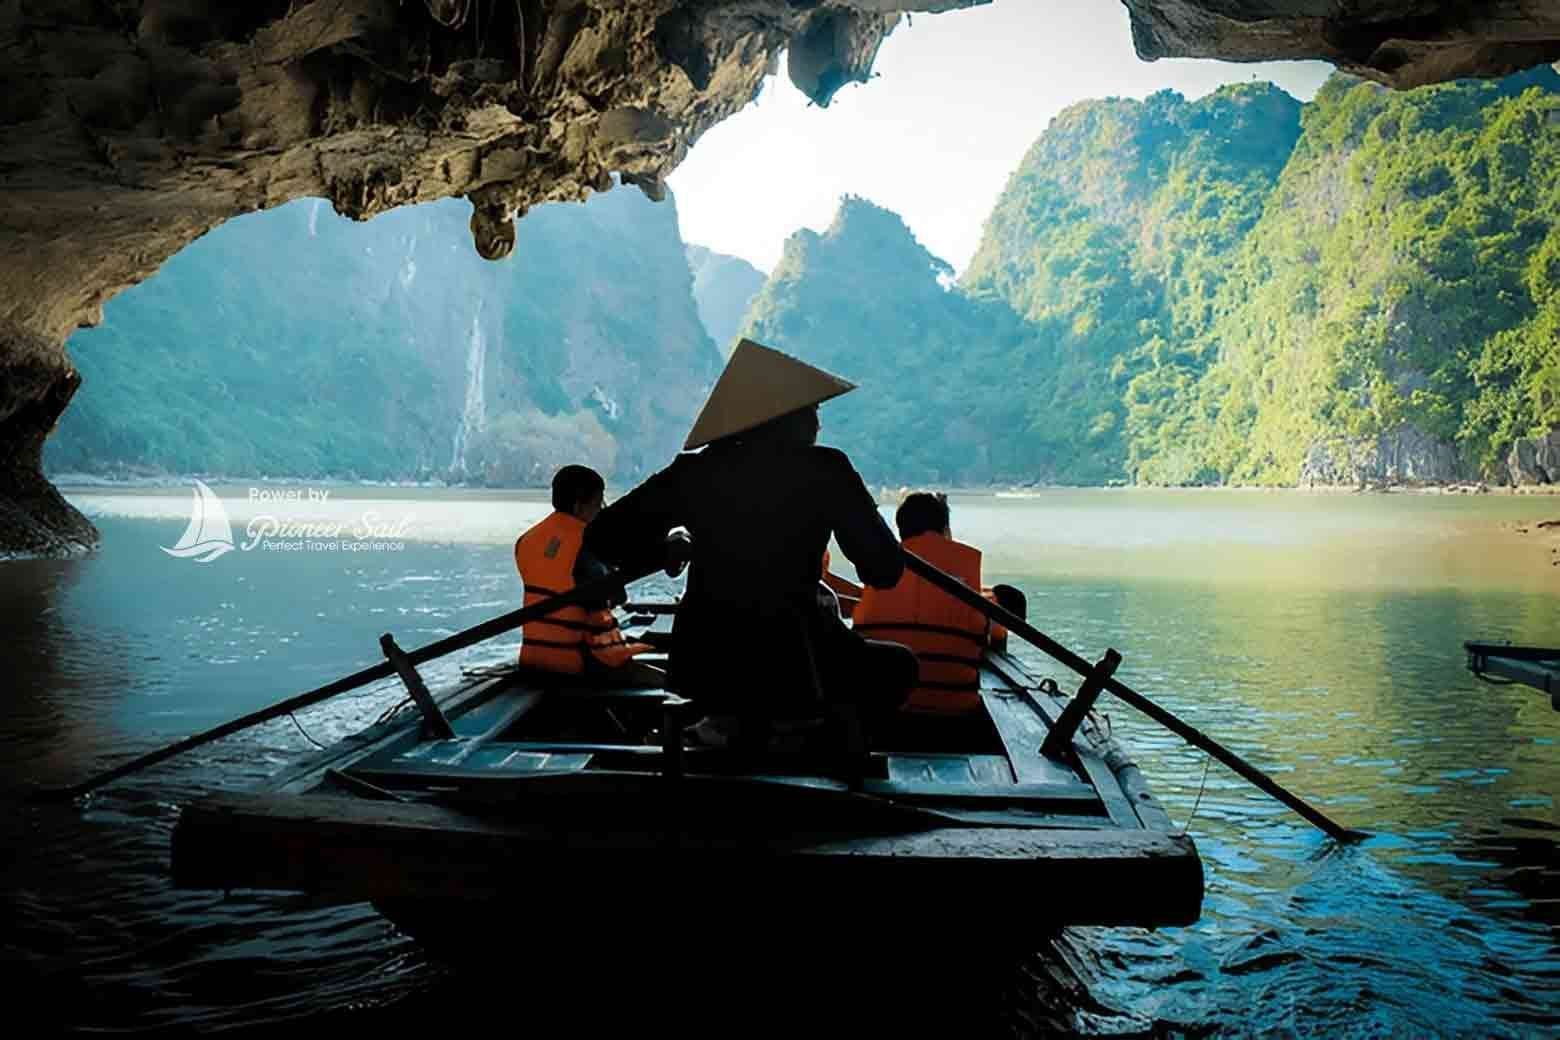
[[130, 127]]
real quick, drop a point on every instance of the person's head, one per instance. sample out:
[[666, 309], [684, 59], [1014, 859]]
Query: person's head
[[798, 427], [922, 512], [1011, 600], [578, 490]]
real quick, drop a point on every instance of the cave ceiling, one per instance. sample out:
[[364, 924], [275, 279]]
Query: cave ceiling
[[127, 129]]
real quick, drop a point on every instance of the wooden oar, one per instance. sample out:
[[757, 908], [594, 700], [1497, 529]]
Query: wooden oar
[[1013, 623], [597, 589]]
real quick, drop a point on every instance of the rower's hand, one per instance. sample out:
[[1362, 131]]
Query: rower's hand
[[679, 550]]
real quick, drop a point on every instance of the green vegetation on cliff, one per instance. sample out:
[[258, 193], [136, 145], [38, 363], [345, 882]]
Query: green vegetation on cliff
[[1107, 246], [298, 343], [1116, 230], [1401, 288], [1234, 289], [866, 300]]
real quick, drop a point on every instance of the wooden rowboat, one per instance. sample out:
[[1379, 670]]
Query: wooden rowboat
[[584, 792]]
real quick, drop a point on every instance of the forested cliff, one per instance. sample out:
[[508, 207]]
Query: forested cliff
[[1238, 289], [296, 343]]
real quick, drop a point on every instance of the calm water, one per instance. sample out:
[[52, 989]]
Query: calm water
[[1320, 636]]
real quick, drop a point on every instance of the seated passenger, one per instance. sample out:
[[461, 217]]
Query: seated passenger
[[551, 561], [761, 499], [947, 636]]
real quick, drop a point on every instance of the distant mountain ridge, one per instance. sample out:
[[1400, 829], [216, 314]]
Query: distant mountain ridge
[[723, 287], [864, 299]]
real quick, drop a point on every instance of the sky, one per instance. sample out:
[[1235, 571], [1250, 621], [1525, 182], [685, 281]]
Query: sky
[[955, 102]]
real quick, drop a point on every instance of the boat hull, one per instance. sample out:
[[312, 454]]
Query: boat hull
[[528, 809], [356, 850]]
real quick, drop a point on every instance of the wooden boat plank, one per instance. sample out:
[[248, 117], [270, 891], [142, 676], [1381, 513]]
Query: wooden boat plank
[[492, 719], [951, 769], [1092, 764], [1107, 784], [505, 760], [1121, 783], [1135, 786], [363, 849], [1022, 734], [1072, 793], [402, 731]]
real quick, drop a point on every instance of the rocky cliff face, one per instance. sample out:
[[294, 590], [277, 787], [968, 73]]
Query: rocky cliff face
[[1393, 315], [128, 129], [1117, 232], [1406, 455], [1400, 43], [296, 343], [949, 383], [1535, 460], [1239, 289], [723, 286]]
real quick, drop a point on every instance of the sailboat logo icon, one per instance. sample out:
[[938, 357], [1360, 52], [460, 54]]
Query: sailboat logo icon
[[209, 534]]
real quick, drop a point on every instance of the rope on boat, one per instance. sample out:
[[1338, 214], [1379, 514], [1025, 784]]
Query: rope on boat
[[305, 732], [1207, 761], [392, 711], [476, 675]]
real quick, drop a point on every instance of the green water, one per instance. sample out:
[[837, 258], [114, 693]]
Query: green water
[[1321, 636]]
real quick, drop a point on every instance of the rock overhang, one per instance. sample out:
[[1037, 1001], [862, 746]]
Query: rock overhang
[[129, 129]]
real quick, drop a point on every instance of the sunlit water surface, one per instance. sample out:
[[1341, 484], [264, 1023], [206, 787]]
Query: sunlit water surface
[[1321, 636]]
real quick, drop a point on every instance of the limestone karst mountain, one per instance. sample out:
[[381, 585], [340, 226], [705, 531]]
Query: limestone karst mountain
[[297, 343], [724, 286], [1233, 289]]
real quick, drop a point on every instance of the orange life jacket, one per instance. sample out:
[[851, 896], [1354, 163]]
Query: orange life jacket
[[948, 637], [559, 642]]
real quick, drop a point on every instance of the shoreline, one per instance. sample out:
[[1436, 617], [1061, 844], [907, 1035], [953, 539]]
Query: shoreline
[[88, 482]]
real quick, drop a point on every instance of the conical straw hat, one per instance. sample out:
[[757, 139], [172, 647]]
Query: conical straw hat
[[760, 384]]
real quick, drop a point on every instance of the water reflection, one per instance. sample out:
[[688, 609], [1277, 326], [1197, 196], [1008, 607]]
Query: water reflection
[[1319, 637]]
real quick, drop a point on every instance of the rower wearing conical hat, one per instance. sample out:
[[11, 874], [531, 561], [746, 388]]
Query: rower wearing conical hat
[[760, 385], [760, 502]]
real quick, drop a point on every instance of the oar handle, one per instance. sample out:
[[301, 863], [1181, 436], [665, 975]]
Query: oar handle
[[1013, 623], [596, 589]]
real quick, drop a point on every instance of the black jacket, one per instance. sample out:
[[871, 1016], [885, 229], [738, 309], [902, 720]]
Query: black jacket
[[760, 515]]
